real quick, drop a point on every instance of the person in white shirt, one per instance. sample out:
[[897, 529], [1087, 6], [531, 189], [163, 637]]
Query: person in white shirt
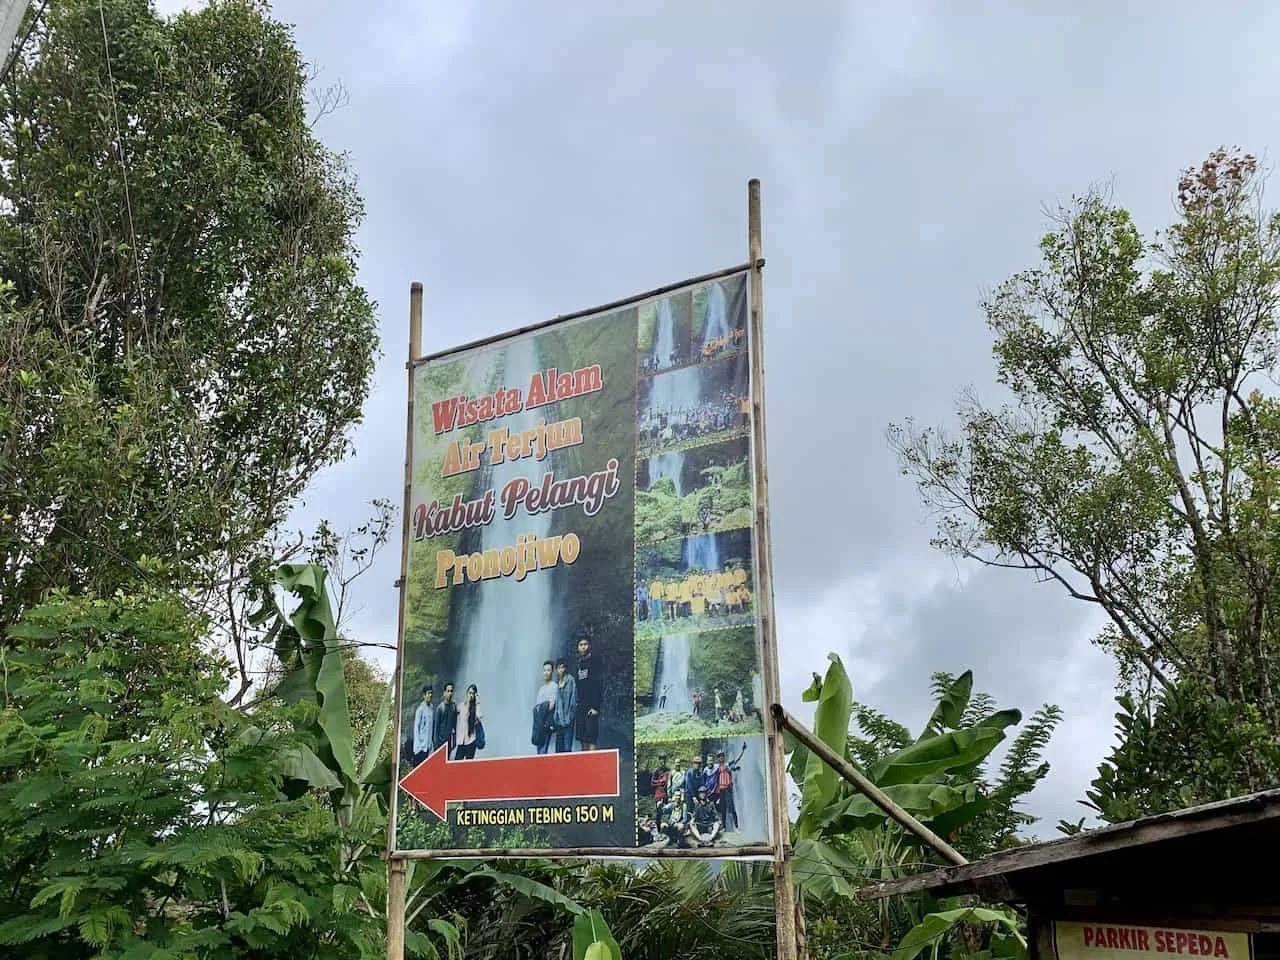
[[544, 709], [469, 717], [424, 727]]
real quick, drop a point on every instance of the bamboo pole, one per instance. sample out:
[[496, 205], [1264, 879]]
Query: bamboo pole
[[788, 946], [868, 789], [396, 865], [591, 853], [395, 908]]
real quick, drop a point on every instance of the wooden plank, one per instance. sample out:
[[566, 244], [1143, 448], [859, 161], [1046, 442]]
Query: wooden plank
[[1195, 821], [415, 348], [593, 853], [395, 909], [1040, 937], [396, 867], [785, 901]]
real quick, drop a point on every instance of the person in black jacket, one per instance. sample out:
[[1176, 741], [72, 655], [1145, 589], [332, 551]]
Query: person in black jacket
[[587, 726], [447, 719]]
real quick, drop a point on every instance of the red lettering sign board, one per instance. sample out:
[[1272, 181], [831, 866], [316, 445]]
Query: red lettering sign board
[[1123, 941]]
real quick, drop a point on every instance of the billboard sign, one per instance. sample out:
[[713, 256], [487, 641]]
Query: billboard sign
[[580, 659]]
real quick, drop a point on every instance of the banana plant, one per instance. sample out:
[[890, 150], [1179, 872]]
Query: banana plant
[[937, 776], [1000, 930]]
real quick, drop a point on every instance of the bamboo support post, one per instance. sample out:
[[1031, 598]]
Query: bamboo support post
[[788, 946], [395, 909], [864, 786], [396, 865]]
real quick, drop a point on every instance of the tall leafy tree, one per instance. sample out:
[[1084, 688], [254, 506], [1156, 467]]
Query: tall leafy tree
[[1137, 467], [184, 338]]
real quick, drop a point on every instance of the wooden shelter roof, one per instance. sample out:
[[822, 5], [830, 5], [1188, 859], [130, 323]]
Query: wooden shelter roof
[[1198, 858]]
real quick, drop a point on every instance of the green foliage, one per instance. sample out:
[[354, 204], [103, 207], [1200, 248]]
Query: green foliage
[[646, 654], [310, 649], [724, 660], [592, 939], [423, 832], [180, 297], [653, 910], [1137, 468], [141, 816], [1177, 750], [936, 776], [835, 930], [369, 695], [1005, 940], [427, 611], [819, 783], [725, 492], [940, 777]]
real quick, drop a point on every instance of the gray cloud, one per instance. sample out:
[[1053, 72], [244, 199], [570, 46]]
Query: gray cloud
[[525, 160]]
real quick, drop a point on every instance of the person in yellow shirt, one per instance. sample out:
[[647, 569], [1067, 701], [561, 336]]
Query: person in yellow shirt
[[740, 576], [686, 597], [698, 602], [655, 599]]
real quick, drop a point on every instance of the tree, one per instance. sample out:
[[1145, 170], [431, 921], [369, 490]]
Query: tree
[[180, 311], [1176, 748], [142, 816], [1138, 467]]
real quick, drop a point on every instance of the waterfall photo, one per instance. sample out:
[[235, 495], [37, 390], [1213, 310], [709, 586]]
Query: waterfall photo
[[698, 685], [664, 338], [695, 583], [581, 582], [528, 650], [702, 792], [693, 406], [706, 489], [720, 318]]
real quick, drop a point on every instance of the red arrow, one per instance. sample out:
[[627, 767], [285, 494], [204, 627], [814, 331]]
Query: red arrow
[[549, 776]]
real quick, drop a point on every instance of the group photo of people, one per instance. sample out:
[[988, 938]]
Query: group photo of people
[[702, 582], [693, 405], [566, 704], [701, 793], [678, 425], [716, 593]]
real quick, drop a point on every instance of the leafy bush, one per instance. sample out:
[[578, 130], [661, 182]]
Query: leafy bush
[[140, 816]]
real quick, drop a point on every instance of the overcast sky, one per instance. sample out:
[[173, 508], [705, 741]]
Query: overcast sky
[[529, 159]]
